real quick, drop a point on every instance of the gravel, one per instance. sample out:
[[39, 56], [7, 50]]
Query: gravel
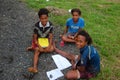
[[16, 28]]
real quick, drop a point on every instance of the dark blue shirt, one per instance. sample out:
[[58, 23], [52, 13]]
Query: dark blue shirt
[[89, 58]]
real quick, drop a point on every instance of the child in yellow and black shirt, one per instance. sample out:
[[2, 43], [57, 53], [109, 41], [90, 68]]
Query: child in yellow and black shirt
[[42, 30]]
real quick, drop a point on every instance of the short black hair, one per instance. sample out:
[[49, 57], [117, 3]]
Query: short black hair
[[87, 36], [76, 10], [43, 11]]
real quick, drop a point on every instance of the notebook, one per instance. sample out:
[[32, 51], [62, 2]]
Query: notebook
[[43, 42]]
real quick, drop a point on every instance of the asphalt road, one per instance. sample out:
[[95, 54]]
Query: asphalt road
[[16, 28]]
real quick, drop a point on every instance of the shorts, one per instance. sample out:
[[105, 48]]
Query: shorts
[[34, 45], [85, 75]]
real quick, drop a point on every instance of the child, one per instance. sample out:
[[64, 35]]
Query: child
[[73, 26], [43, 29], [87, 64]]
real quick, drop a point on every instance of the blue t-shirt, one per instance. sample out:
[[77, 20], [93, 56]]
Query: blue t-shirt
[[90, 61], [74, 27]]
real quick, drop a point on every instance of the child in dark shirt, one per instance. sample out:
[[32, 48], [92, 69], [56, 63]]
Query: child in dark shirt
[[87, 64], [43, 29]]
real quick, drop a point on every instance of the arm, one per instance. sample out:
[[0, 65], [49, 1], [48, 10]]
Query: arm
[[75, 61], [81, 25], [65, 54], [77, 32], [35, 35], [66, 29], [73, 37], [35, 38], [81, 68], [50, 39]]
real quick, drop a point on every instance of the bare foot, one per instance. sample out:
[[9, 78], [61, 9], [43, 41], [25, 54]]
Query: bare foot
[[60, 35], [33, 70], [29, 48]]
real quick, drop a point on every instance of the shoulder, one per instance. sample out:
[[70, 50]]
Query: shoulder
[[85, 51], [93, 51], [69, 19], [37, 24], [50, 23], [81, 19]]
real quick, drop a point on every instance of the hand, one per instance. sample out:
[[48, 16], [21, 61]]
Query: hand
[[74, 66], [71, 37], [48, 48], [36, 42]]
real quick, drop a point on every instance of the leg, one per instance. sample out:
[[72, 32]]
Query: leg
[[66, 39], [41, 49], [72, 75], [36, 56], [51, 49], [29, 48], [35, 61]]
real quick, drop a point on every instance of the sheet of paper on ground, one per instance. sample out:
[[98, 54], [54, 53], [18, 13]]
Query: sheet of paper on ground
[[61, 62], [54, 74]]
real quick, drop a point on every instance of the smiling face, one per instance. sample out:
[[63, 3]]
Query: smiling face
[[81, 41], [43, 19], [75, 16]]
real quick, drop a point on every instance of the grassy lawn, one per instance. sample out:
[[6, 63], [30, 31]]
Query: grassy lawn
[[102, 23]]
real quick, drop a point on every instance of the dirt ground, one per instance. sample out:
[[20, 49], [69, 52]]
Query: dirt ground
[[16, 28]]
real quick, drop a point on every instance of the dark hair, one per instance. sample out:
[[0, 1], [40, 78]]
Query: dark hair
[[87, 36], [43, 11], [76, 10]]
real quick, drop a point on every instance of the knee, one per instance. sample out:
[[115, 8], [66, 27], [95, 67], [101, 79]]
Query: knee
[[72, 74], [64, 38], [52, 49], [37, 51], [67, 76]]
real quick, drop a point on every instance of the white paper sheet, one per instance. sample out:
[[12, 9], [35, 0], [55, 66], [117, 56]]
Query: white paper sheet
[[61, 62], [54, 74]]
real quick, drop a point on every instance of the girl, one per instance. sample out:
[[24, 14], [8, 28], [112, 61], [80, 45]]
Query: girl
[[42, 30], [87, 64], [73, 26]]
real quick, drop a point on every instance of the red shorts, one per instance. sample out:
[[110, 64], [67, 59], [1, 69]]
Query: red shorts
[[85, 75], [34, 45]]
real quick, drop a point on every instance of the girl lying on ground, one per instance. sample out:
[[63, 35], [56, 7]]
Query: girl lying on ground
[[87, 64]]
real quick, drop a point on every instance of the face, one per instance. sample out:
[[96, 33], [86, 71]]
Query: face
[[75, 16], [43, 19], [81, 41]]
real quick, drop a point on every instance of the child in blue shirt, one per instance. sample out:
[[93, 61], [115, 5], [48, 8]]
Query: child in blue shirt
[[73, 26], [87, 64]]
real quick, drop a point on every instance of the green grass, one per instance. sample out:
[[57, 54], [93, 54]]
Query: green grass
[[102, 23]]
